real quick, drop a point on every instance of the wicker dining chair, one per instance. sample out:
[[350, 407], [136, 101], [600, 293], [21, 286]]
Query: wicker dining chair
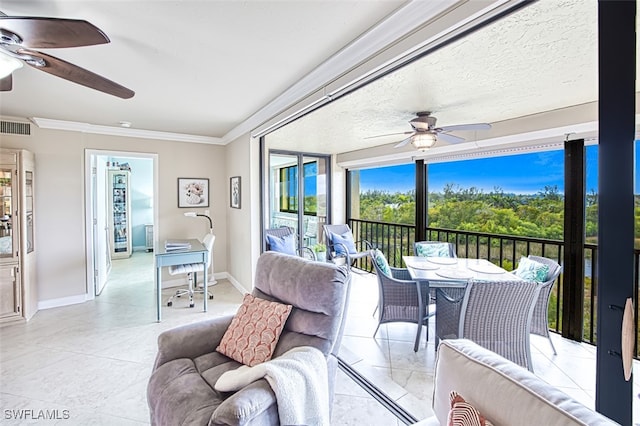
[[400, 298], [494, 314], [540, 319]]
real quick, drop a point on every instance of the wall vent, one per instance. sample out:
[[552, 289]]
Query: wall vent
[[15, 128]]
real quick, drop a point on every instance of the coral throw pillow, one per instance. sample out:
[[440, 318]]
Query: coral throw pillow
[[464, 414], [254, 332]]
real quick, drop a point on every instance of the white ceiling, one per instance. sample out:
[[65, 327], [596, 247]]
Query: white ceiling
[[213, 68], [197, 67]]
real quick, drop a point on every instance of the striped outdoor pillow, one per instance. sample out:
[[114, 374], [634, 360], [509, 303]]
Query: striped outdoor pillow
[[464, 414]]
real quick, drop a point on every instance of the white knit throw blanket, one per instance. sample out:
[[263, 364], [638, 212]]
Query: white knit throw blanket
[[299, 380]]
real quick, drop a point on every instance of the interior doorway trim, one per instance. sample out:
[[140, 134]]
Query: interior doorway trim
[[90, 155]]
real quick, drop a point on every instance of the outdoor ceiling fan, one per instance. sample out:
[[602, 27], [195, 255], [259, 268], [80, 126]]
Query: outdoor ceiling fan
[[425, 133], [20, 34]]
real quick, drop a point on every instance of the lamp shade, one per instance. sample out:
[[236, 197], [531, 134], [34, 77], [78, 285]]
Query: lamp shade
[[423, 141], [8, 65]]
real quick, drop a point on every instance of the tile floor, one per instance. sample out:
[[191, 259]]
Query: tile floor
[[88, 364]]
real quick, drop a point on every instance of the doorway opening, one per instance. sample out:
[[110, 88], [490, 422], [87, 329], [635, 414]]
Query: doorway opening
[[120, 212]]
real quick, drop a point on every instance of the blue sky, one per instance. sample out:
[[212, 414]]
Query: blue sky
[[521, 174]]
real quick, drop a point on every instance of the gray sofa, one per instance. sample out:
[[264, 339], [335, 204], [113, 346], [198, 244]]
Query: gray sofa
[[180, 389], [503, 392]]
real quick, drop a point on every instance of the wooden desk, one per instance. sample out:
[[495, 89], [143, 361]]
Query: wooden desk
[[198, 253]]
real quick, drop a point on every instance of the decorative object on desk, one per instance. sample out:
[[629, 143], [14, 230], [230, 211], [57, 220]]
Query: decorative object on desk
[[235, 192], [212, 280], [171, 245], [193, 192], [443, 260], [321, 252]]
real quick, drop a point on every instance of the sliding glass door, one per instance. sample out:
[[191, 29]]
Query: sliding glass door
[[298, 194]]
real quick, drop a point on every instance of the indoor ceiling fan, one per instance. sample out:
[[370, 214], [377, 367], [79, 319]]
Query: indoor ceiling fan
[[20, 34], [425, 133]]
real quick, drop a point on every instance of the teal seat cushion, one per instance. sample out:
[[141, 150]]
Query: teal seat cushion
[[433, 250], [531, 270], [286, 244]]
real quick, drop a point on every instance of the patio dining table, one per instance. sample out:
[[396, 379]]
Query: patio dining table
[[449, 277], [454, 272]]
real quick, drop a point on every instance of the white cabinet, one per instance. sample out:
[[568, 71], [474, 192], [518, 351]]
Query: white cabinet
[[18, 297], [119, 213]]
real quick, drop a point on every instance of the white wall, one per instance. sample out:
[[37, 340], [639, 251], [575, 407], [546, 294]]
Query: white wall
[[59, 190], [244, 223]]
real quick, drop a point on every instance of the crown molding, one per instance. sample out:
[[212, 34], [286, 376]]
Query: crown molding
[[74, 126]]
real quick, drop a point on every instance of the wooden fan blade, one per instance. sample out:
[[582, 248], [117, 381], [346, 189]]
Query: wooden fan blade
[[450, 138], [388, 134], [6, 84], [78, 75], [474, 126], [404, 142], [47, 33]]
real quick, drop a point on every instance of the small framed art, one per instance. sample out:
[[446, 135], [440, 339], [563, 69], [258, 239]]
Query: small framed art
[[193, 192], [235, 192]]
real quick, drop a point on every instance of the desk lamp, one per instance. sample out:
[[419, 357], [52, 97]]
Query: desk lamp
[[194, 214]]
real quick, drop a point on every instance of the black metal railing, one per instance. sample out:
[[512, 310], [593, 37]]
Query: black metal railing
[[396, 240]]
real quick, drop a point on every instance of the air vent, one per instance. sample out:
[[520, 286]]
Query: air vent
[[14, 128]]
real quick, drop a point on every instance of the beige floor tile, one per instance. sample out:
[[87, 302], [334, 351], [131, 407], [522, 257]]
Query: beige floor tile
[[94, 359]]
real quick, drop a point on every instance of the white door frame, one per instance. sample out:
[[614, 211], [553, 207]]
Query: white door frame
[[89, 202]]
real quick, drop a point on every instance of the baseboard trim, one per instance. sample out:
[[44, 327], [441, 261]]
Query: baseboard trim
[[384, 399], [63, 301]]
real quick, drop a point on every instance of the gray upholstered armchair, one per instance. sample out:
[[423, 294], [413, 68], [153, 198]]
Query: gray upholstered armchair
[[181, 387]]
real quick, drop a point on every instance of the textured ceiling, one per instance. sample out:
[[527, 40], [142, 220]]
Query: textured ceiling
[[540, 58]]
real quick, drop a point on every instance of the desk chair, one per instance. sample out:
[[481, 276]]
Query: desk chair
[[191, 269]]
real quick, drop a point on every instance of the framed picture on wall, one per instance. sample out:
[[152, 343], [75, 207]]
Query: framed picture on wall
[[235, 192], [193, 192]]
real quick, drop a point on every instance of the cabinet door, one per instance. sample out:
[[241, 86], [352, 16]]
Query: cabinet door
[[9, 292], [8, 209]]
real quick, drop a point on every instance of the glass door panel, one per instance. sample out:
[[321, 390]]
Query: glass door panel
[[298, 195], [7, 208], [283, 191]]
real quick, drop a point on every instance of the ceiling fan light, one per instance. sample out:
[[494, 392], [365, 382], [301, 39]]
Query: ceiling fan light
[[8, 65], [423, 141]]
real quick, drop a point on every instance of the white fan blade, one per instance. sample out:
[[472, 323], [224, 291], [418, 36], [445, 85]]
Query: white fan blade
[[388, 134], [450, 138], [474, 126], [404, 142]]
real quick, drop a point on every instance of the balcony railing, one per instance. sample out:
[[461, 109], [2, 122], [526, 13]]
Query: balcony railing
[[396, 240]]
